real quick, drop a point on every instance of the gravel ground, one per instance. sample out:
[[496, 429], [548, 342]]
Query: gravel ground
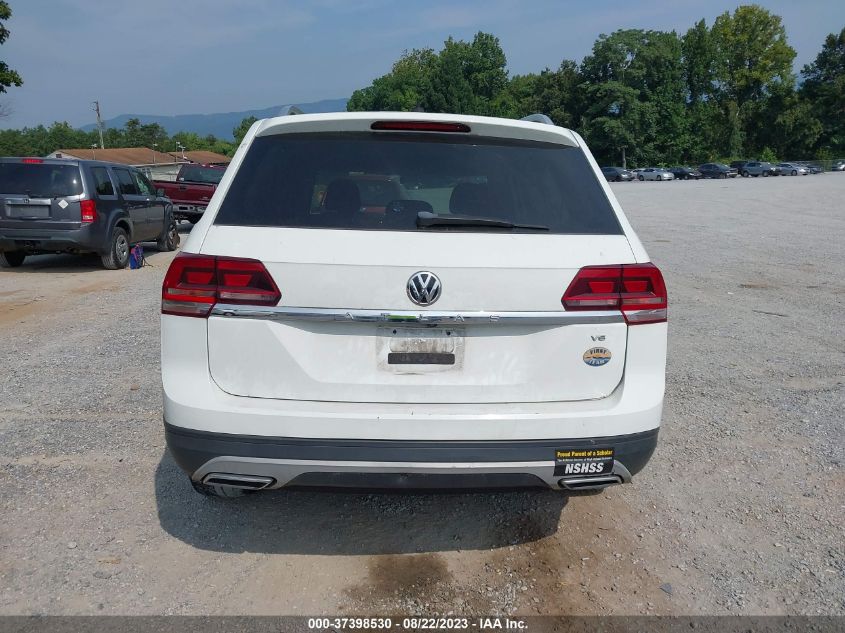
[[740, 511]]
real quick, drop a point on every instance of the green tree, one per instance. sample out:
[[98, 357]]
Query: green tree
[[753, 63], [633, 84], [463, 78], [405, 88], [8, 77], [699, 62], [824, 91], [752, 54], [243, 127]]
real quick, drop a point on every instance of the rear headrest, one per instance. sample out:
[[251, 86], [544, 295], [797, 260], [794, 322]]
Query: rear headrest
[[342, 195], [472, 199]]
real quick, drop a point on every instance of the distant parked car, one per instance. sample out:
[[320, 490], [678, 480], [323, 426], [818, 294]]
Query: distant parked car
[[791, 169], [655, 173], [838, 166], [738, 165], [717, 170], [812, 168], [617, 174], [685, 173], [757, 168], [79, 206]]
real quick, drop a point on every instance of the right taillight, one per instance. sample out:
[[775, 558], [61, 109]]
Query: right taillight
[[195, 283], [638, 290], [88, 209]]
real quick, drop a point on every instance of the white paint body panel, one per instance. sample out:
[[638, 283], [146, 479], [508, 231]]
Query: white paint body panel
[[326, 380]]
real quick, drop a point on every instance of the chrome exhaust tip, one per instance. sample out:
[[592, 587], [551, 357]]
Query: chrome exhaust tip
[[589, 483], [246, 482]]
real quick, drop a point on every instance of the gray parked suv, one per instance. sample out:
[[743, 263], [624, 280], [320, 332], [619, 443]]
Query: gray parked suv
[[79, 206], [757, 168]]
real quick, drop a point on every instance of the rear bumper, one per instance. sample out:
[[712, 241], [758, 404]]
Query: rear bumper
[[285, 461], [86, 238]]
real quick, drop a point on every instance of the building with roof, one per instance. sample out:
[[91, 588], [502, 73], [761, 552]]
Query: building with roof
[[135, 156], [202, 157]]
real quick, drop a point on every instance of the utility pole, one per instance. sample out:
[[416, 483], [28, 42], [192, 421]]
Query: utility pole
[[96, 109]]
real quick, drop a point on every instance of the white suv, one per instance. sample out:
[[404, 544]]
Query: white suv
[[403, 299]]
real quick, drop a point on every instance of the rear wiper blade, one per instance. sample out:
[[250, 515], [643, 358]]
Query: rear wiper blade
[[427, 218]]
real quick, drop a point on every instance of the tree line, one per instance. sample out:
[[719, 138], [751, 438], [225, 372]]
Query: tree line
[[41, 140], [713, 93]]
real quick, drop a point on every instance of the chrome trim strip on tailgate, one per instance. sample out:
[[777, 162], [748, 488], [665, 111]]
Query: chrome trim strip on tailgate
[[404, 317]]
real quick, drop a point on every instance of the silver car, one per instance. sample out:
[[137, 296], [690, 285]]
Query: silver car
[[655, 173], [791, 169]]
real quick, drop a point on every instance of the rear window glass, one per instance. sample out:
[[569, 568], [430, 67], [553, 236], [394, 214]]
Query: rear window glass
[[42, 180], [382, 181], [201, 174]]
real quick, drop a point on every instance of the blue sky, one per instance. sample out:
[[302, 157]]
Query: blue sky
[[202, 56]]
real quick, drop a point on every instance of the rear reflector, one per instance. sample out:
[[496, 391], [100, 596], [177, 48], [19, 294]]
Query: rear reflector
[[89, 211], [420, 126], [638, 290], [194, 283], [32, 161]]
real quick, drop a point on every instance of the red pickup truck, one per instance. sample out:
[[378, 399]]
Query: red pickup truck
[[192, 189]]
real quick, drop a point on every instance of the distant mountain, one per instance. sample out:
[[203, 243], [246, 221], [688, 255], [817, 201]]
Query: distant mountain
[[221, 123]]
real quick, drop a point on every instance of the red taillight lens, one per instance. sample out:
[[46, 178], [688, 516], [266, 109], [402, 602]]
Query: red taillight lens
[[89, 211], [420, 126], [32, 161], [194, 283], [245, 281], [638, 290]]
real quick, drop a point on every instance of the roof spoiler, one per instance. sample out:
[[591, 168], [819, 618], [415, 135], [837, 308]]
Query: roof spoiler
[[538, 118]]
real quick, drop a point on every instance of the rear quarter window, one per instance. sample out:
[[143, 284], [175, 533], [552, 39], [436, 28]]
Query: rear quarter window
[[102, 183], [381, 181]]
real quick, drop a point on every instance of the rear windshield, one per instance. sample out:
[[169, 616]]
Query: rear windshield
[[40, 180], [383, 181], [208, 175]]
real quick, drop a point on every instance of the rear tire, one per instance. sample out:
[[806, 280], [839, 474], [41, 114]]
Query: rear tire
[[221, 492], [794, 172], [118, 254], [723, 175], [169, 241], [640, 178], [12, 259]]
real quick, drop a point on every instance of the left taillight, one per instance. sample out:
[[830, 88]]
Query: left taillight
[[638, 290], [89, 211], [195, 283]]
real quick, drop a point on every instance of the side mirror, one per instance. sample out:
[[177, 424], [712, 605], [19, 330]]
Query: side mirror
[[160, 192]]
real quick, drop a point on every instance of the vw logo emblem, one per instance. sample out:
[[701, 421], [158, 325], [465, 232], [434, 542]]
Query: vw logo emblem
[[424, 288]]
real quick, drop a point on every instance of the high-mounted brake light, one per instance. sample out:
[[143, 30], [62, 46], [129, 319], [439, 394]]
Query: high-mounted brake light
[[32, 161], [638, 290], [420, 126], [89, 211], [195, 283]]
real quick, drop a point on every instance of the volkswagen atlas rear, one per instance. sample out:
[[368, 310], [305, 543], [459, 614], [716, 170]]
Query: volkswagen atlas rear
[[412, 300]]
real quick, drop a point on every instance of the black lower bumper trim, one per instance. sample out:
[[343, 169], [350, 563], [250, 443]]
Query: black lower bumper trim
[[191, 449]]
